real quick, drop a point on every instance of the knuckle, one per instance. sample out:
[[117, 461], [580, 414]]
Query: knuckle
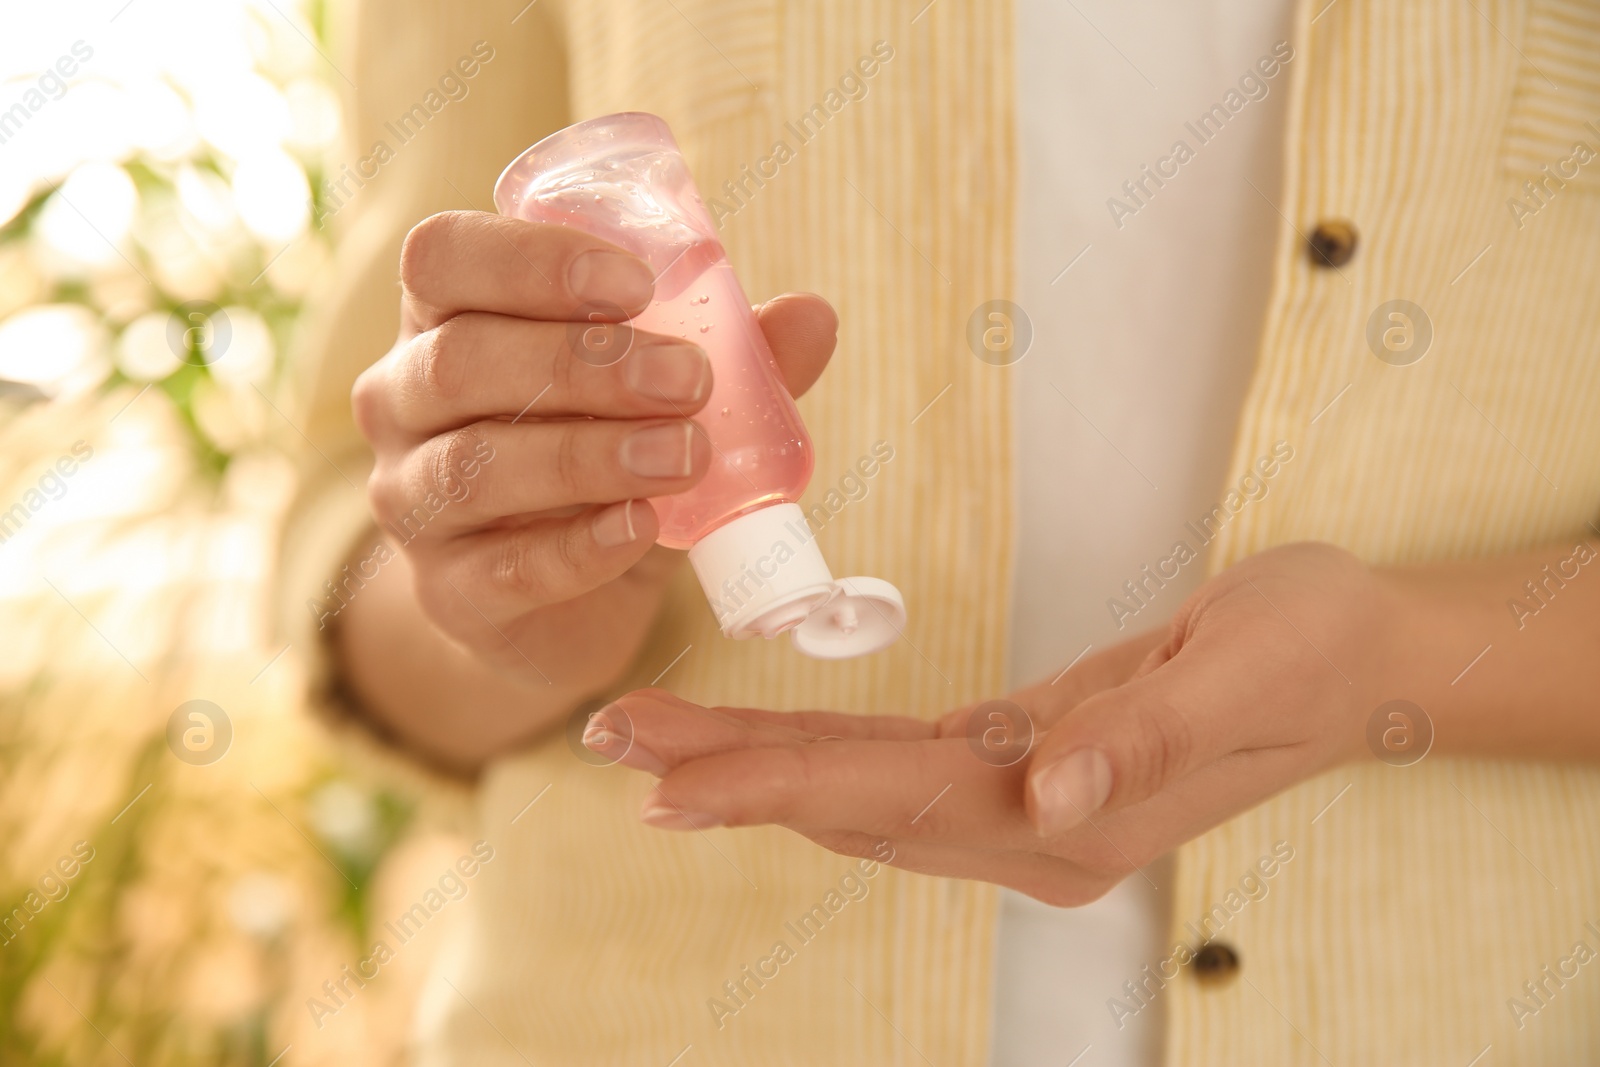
[[439, 360], [408, 517], [794, 778], [382, 493], [567, 462], [521, 565], [455, 454], [366, 400], [424, 247], [563, 365], [1165, 745], [571, 555]]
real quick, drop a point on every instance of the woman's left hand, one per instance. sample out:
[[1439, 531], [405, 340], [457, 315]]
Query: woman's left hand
[[1265, 677]]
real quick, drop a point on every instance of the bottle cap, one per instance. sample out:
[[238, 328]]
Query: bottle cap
[[764, 575]]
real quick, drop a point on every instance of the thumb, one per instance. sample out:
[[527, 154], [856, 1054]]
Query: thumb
[[801, 329], [1127, 744]]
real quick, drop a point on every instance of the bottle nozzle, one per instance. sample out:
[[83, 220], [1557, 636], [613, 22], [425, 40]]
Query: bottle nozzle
[[764, 575]]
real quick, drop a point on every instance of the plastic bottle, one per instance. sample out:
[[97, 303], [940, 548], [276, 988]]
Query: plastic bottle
[[622, 178]]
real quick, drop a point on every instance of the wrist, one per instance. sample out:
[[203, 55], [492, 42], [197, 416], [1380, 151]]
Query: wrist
[[1398, 631], [1371, 653]]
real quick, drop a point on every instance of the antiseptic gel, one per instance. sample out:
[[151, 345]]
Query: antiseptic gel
[[622, 178]]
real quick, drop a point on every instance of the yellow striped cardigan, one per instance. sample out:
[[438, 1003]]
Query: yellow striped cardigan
[[1419, 901]]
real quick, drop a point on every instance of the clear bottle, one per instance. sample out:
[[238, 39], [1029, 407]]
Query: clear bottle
[[622, 178]]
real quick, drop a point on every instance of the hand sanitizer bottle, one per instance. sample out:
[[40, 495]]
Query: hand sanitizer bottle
[[622, 178]]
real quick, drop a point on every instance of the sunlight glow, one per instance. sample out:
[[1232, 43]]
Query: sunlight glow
[[52, 346], [86, 223]]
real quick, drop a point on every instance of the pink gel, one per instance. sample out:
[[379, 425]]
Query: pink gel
[[621, 178]]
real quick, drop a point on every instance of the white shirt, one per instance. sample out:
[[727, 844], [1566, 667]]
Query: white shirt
[[1145, 320]]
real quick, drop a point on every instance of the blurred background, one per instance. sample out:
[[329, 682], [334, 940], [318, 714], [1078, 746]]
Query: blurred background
[[187, 857]]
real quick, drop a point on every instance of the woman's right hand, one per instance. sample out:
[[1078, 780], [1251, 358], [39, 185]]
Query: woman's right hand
[[518, 432]]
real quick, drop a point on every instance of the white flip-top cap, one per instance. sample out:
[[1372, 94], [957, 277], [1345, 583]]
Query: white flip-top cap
[[764, 575]]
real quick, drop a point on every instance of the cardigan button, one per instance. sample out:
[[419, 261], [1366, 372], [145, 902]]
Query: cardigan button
[[1216, 964], [1333, 243]]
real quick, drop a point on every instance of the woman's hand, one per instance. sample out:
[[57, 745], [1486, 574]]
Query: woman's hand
[[1265, 677], [519, 426]]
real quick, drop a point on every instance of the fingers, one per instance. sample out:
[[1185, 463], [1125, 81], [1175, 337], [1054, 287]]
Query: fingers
[[658, 706], [802, 330], [503, 573], [491, 470], [1125, 745], [1081, 865], [473, 261], [480, 366], [652, 730], [933, 790], [841, 725]]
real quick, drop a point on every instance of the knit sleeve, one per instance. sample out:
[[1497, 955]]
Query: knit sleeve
[[438, 97]]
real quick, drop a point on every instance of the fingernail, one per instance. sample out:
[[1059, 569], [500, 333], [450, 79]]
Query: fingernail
[[679, 373], [1069, 791], [620, 749], [665, 451], [614, 526], [602, 734], [665, 815], [611, 278]]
